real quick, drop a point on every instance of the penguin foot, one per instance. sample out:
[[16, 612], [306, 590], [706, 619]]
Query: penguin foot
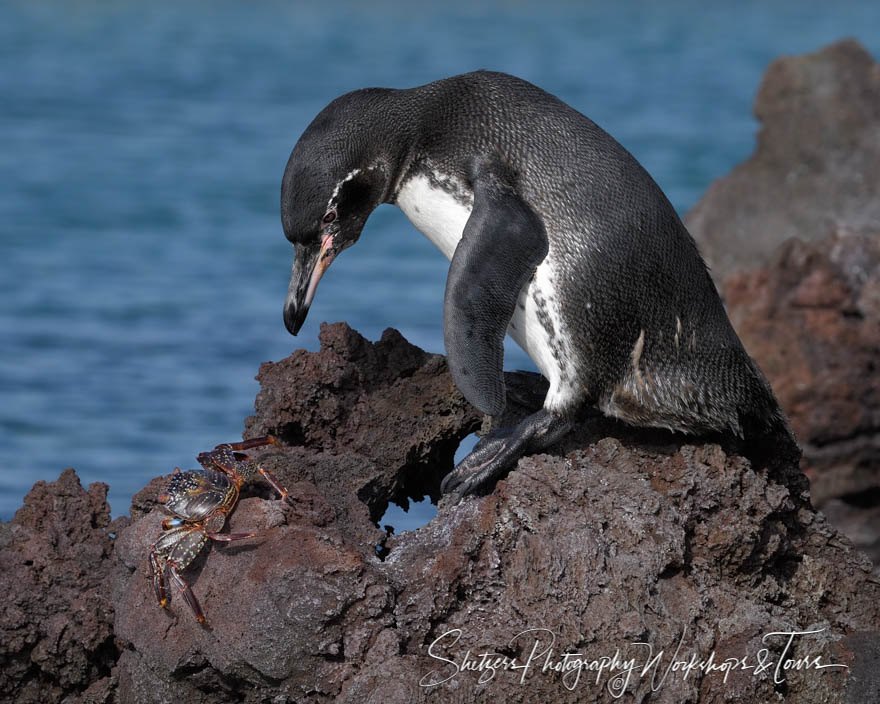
[[499, 451]]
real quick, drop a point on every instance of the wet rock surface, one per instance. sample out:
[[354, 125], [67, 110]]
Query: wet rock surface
[[816, 164]]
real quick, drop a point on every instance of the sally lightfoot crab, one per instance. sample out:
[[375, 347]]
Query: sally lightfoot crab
[[201, 500]]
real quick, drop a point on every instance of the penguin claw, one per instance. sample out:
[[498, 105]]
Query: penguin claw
[[499, 451], [479, 467]]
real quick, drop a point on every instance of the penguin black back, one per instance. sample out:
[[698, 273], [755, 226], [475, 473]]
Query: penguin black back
[[555, 233]]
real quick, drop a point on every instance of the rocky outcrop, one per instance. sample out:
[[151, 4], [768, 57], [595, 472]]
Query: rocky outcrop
[[56, 614], [792, 233], [388, 413], [625, 563], [812, 320], [816, 165], [617, 537]]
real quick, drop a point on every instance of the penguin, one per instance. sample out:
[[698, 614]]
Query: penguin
[[555, 234]]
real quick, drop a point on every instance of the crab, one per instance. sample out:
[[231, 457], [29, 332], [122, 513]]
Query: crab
[[201, 500]]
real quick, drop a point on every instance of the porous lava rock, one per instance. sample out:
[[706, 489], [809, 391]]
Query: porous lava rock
[[811, 318], [620, 542], [617, 537], [56, 613], [388, 412]]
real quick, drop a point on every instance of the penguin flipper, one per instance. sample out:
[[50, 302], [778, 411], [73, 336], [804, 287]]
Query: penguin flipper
[[502, 244]]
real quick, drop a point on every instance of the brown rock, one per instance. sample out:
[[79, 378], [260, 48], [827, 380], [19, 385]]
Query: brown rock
[[56, 615], [388, 412], [811, 320], [816, 165], [810, 313], [618, 536]]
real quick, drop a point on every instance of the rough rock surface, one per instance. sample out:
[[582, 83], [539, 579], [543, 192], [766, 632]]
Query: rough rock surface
[[619, 536], [387, 412], [816, 165], [56, 614], [808, 310], [811, 318], [698, 548]]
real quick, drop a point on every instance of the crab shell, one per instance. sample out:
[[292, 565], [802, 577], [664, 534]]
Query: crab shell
[[198, 493]]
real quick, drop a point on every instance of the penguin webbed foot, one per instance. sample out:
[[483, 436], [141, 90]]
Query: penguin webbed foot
[[499, 451]]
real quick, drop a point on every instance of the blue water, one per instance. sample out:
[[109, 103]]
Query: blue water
[[141, 152]]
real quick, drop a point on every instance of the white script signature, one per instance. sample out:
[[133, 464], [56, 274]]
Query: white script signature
[[617, 670]]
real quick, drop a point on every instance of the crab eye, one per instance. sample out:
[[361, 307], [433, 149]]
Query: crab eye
[[329, 217]]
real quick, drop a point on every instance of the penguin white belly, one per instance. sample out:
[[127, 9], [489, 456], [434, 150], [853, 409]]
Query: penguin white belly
[[538, 328], [441, 214], [436, 212]]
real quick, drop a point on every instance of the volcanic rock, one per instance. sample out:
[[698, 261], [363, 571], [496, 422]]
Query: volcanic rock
[[811, 318], [793, 235], [619, 542], [56, 614], [617, 537]]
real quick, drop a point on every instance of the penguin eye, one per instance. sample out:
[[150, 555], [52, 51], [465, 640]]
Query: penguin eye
[[329, 217]]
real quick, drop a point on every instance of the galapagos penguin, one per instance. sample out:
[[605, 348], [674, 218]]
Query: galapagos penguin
[[555, 235]]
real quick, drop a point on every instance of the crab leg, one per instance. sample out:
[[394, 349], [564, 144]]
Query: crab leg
[[158, 579], [201, 501], [235, 447], [274, 482], [253, 442], [188, 595], [228, 537]]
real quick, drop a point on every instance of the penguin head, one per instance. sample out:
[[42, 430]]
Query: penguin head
[[331, 185]]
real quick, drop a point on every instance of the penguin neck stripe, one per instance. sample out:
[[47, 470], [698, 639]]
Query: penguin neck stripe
[[348, 177]]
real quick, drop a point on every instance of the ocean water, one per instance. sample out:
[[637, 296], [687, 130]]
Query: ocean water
[[141, 151]]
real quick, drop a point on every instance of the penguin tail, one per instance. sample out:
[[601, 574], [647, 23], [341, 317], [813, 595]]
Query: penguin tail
[[770, 442]]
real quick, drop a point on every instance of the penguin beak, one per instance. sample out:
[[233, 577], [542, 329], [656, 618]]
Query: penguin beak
[[309, 265]]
